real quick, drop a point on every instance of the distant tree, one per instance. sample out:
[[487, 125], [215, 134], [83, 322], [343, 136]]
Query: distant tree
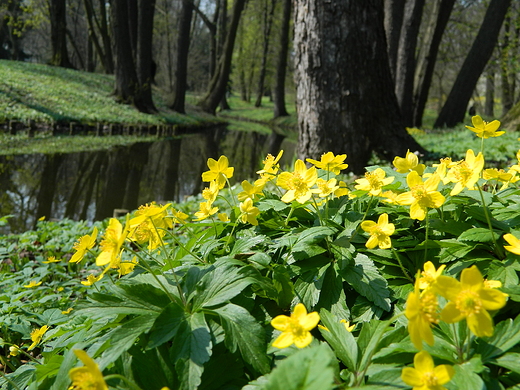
[[345, 92], [267, 23], [281, 62], [99, 33], [393, 21], [58, 18], [454, 108]]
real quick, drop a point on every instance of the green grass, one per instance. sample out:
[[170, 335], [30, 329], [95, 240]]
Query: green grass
[[50, 94]]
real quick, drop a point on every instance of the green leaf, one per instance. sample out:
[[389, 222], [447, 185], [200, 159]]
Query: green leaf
[[166, 325], [284, 286], [365, 278], [369, 339], [510, 360], [272, 204], [465, 378], [245, 244], [190, 374], [478, 235], [340, 339], [309, 285], [505, 337], [221, 283], [193, 340], [504, 272], [307, 369], [152, 368], [243, 331]]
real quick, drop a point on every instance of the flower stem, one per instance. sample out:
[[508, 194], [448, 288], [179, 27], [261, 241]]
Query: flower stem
[[498, 249], [405, 271]]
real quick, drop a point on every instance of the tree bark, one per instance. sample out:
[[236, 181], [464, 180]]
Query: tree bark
[[490, 93], [393, 21], [281, 67], [146, 10], [183, 48], [268, 22], [454, 109], [345, 93], [58, 18], [424, 71], [218, 84], [405, 68]]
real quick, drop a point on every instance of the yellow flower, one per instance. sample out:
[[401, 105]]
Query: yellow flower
[[205, 211], [51, 259], [348, 327], [408, 163], [33, 283], [470, 299], [14, 350], [83, 245], [484, 129], [492, 283], [466, 172], [251, 190], [149, 225], [88, 377], [91, 279], [422, 195], [421, 311], [223, 217], [36, 336], [271, 167], [111, 244], [342, 189], [380, 232], [298, 183], [496, 174], [425, 376], [219, 171], [373, 182], [329, 162], [296, 328], [179, 216], [249, 212], [389, 197], [514, 244], [125, 267], [67, 311], [210, 193], [326, 187], [429, 275]]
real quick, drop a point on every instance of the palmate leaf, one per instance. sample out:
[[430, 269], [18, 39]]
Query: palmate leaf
[[366, 279], [152, 368], [505, 337], [245, 333], [308, 286], [478, 235], [308, 369], [166, 325], [222, 282]]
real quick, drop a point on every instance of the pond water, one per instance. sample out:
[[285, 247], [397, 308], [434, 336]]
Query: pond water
[[91, 185]]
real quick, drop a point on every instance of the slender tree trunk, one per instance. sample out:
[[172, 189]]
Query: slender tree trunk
[[394, 14], [183, 48], [268, 22], [489, 105], [281, 68], [345, 93], [105, 37], [48, 185], [218, 84], [146, 10], [58, 18], [405, 70], [424, 73], [454, 109]]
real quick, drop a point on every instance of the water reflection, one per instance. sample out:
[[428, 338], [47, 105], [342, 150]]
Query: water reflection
[[90, 185]]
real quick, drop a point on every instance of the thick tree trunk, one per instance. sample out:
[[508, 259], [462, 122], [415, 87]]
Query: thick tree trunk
[[345, 93], [146, 12], [133, 24], [281, 68], [181, 66], [58, 18], [394, 14], [424, 72], [454, 109], [218, 84], [405, 69], [268, 22], [127, 85]]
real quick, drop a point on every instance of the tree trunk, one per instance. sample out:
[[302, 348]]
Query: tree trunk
[[345, 93], [126, 84], [105, 37], [424, 72], [454, 109], [48, 185], [405, 69], [281, 68], [268, 22], [394, 14], [58, 18], [183, 48], [490, 93], [218, 84], [146, 12], [133, 24]]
